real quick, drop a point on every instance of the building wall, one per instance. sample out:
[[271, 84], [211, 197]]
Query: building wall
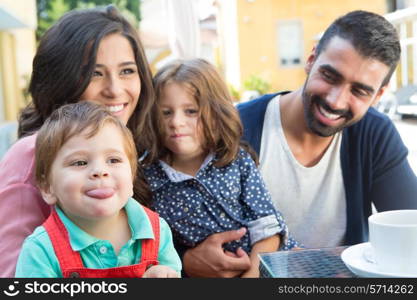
[[405, 21], [17, 48], [257, 34], [12, 96]]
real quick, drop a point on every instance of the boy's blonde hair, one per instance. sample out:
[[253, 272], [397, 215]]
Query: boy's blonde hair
[[84, 117], [219, 119]]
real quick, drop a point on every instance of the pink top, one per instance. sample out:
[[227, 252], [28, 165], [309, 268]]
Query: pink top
[[22, 208]]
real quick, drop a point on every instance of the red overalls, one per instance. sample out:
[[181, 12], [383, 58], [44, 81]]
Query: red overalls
[[72, 265]]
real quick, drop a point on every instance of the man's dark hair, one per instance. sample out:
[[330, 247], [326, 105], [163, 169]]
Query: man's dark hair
[[370, 34]]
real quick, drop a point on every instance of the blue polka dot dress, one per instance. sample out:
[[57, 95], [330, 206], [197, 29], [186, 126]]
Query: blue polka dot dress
[[216, 200]]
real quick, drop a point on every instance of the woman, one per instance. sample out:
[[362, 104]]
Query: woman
[[92, 54]]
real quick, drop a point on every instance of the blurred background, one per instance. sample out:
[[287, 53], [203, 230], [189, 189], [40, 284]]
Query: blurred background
[[259, 46]]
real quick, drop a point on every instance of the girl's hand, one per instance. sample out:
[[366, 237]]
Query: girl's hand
[[160, 271]]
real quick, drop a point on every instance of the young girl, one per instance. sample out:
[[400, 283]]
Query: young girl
[[204, 182], [90, 54], [95, 229]]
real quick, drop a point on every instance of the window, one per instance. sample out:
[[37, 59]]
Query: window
[[290, 43], [393, 5]]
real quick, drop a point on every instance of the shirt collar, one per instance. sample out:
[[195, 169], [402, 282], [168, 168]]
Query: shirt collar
[[160, 173], [174, 175], [138, 220], [177, 176], [139, 223]]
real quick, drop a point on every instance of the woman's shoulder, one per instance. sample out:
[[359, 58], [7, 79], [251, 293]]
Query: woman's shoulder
[[22, 147], [18, 163]]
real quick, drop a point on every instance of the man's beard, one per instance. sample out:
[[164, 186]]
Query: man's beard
[[310, 103]]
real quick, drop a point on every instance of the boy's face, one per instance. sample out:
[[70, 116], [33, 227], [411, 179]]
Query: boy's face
[[91, 178], [341, 86]]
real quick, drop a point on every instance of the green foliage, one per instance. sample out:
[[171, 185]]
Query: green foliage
[[49, 11], [234, 92], [256, 83]]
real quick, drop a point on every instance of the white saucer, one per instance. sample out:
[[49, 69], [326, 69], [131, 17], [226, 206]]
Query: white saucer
[[354, 259]]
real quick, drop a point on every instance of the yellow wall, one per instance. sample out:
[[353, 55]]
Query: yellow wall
[[257, 25], [12, 95]]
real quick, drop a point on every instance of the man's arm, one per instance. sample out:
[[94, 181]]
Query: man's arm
[[208, 259], [394, 183], [267, 245]]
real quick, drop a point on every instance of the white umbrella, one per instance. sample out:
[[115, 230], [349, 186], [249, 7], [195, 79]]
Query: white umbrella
[[183, 28]]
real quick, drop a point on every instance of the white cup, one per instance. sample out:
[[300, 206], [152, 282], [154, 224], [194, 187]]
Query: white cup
[[393, 237]]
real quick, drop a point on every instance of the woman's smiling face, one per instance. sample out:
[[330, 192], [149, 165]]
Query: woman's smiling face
[[115, 82]]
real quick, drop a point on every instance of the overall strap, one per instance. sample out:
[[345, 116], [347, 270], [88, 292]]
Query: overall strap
[[150, 247], [58, 235]]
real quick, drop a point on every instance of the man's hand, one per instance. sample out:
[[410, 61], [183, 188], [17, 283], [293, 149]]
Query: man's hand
[[209, 259]]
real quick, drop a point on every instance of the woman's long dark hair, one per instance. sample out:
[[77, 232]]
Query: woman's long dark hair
[[64, 63]]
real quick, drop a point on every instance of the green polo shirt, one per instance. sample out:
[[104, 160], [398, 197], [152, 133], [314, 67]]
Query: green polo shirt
[[37, 257]]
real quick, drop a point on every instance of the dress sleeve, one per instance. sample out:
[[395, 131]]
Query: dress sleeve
[[22, 210], [263, 219]]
